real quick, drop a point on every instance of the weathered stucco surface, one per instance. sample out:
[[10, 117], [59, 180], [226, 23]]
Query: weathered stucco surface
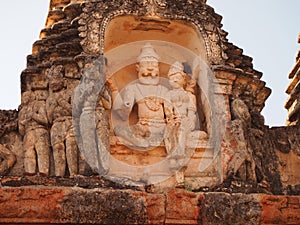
[[253, 177], [61, 205]]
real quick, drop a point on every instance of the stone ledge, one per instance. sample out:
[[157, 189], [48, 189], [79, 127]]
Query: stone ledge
[[74, 205]]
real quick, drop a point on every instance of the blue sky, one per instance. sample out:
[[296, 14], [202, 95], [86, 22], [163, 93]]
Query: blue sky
[[20, 22], [267, 30]]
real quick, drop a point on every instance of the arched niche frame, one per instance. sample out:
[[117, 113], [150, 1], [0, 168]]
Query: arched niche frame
[[107, 25], [97, 16]]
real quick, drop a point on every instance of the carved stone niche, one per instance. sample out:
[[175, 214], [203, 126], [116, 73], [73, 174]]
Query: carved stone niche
[[173, 40], [130, 28]]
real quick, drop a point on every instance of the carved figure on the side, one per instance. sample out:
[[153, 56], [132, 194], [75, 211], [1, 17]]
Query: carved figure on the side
[[180, 112], [242, 162], [149, 95], [92, 98], [33, 126], [7, 160], [59, 112], [8, 123]]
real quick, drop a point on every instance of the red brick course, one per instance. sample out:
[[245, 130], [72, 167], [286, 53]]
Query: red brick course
[[38, 204]]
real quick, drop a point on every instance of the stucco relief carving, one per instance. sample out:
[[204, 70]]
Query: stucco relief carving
[[10, 143], [33, 126], [242, 163], [180, 110], [166, 109], [92, 98], [7, 160], [153, 5], [59, 113], [148, 94], [95, 22]]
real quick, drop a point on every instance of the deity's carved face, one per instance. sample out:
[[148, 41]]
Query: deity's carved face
[[177, 80], [148, 72]]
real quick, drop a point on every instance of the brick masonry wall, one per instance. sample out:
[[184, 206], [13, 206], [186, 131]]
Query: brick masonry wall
[[73, 205], [293, 104]]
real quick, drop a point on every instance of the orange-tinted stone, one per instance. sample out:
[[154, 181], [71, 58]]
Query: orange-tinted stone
[[156, 208], [280, 209], [39, 204], [182, 207]]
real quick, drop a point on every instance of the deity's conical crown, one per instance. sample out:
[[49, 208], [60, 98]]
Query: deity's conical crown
[[148, 54], [175, 68]]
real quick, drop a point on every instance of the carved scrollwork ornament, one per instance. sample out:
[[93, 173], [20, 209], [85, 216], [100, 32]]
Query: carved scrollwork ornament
[[153, 5], [98, 14]]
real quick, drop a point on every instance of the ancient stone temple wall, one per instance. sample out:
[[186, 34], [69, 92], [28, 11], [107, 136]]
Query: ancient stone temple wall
[[142, 112], [292, 104]]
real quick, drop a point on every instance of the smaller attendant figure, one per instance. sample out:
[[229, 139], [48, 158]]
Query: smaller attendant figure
[[180, 112], [33, 125]]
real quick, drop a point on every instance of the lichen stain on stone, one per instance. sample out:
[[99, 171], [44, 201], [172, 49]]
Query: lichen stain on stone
[[103, 207]]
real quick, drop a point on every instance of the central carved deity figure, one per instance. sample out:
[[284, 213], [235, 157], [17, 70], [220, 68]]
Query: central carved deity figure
[[149, 95]]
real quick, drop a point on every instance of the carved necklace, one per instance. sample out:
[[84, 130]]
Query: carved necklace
[[152, 102]]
